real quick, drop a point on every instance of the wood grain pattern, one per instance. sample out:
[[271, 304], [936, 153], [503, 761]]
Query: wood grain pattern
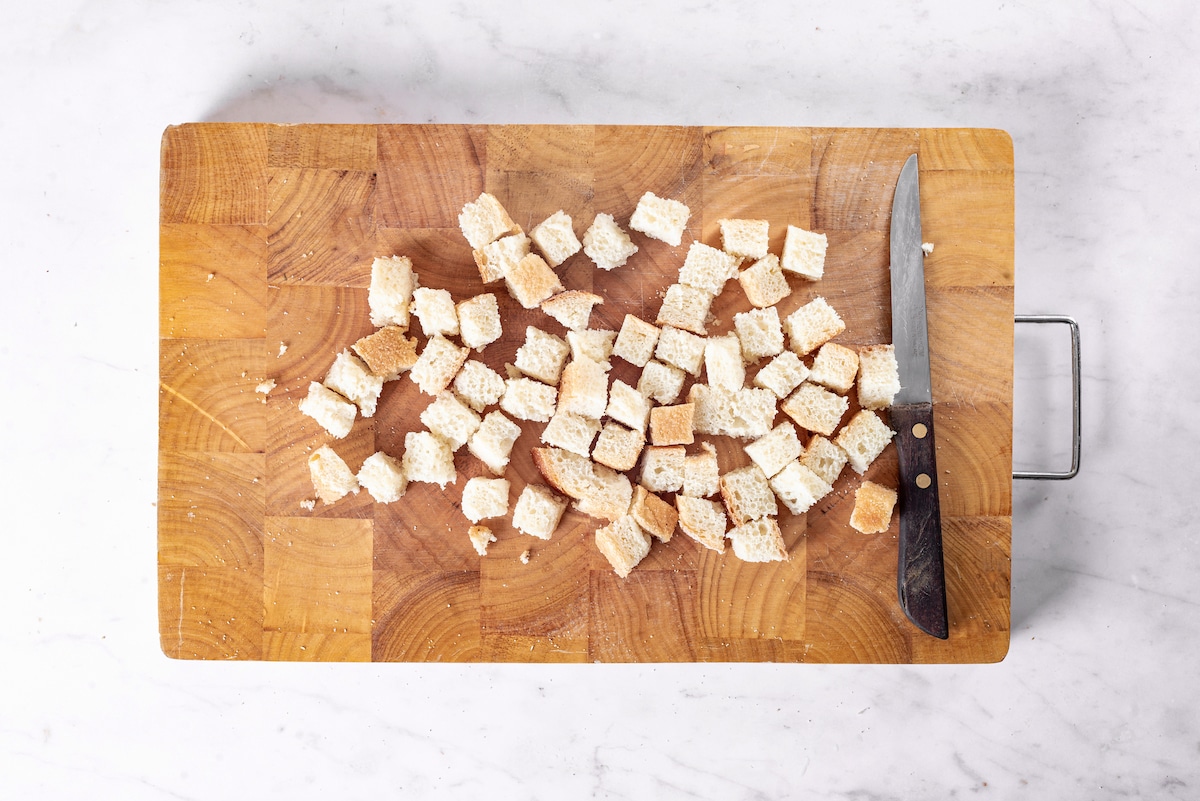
[[266, 239]]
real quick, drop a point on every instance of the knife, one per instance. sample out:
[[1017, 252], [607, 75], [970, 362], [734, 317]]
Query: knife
[[921, 576]]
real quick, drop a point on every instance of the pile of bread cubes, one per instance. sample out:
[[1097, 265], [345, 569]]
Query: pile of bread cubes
[[613, 449]]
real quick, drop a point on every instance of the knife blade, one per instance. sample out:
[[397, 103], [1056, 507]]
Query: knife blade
[[921, 580]]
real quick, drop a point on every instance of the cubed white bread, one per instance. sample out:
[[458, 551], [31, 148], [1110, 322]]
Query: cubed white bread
[[527, 399], [760, 333], [662, 468], [555, 238], [798, 488], [428, 458], [873, 505], [331, 477], [618, 447], [623, 544], [815, 408], [387, 352], [592, 343], [745, 414], [773, 452], [531, 281], [350, 377], [389, 295], [759, 541], [479, 321], [764, 282], [660, 382], [681, 349], [573, 309], [636, 341], [878, 376], [656, 517], [383, 477], [835, 367], [497, 258], [627, 405], [812, 325], [685, 307], [606, 244], [702, 520], [492, 442], [480, 537], [334, 413], [723, 365], [538, 511], [583, 388], [804, 253], [451, 419], [863, 439], [485, 498], [611, 496], [569, 473], [571, 432], [745, 239], [672, 425], [435, 309], [542, 356], [825, 458], [485, 220], [707, 269], [478, 385], [701, 473], [660, 218], [438, 365], [782, 374], [747, 494]]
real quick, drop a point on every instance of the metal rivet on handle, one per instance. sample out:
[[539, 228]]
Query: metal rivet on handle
[[919, 431], [923, 480]]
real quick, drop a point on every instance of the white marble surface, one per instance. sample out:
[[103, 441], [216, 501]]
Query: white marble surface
[[1098, 696]]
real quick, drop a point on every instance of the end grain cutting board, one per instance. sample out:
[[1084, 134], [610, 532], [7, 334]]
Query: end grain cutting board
[[267, 237]]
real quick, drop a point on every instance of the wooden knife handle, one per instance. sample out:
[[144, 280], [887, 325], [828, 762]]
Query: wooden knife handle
[[921, 575]]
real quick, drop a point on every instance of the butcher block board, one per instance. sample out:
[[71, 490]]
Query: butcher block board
[[267, 237]]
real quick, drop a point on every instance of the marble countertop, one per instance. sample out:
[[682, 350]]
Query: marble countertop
[[1097, 697]]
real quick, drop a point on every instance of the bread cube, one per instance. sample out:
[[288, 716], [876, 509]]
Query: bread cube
[[435, 309], [680, 349], [656, 517], [571, 432], [745, 414], [610, 497], [660, 218], [538, 511], [702, 520], [606, 244], [773, 452], [660, 382], [764, 282], [745, 239], [662, 468], [497, 258], [484, 220], [804, 253], [349, 377], [878, 376], [451, 419], [531, 281], [707, 269], [685, 307], [623, 544], [478, 385], [438, 364], [583, 388], [485, 498], [331, 477], [592, 343], [863, 439], [812, 325], [480, 537], [618, 447], [672, 425], [428, 458], [555, 238], [760, 333], [527, 399], [815, 408], [569, 473], [701, 474], [383, 477], [873, 505], [572, 308], [825, 458], [782, 374], [759, 541], [798, 487], [835, 367], [747, 494], [636, 341], [627, 405], [334, 413], [390, 294], [542, 356], [388, 352], [479, 321], [492, 442], [723, 363]]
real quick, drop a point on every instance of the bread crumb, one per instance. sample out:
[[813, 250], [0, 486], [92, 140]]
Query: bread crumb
[[927, 247], [525, 556], [282, 349], [265, 387], [308, 505], [211, 276]]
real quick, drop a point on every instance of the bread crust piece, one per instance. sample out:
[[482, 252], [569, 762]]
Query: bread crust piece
[[873, 505], [653, 514], [387, 352], [572, 308], [531, 281], [672, 425], [583, 388]]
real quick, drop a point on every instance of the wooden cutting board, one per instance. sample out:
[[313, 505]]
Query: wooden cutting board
[[267, 237]]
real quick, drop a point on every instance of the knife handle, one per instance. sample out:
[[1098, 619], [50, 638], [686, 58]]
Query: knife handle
[[921, 575]]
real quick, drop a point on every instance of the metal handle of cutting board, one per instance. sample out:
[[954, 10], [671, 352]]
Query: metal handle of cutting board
[[1075, 435]]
